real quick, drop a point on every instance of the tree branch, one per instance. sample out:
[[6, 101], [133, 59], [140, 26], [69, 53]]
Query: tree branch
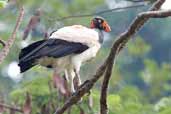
[[118, 45], [11, 107], [84, 88], [156, 14], [11, 40]]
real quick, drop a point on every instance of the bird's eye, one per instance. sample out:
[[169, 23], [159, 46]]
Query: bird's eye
[[99, 21]]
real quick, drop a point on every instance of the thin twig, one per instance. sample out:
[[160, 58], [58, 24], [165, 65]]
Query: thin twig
[[98, 13], [2, 42], [11, 40], [157, 14], [135, 26], [117, 46], [11, 107]]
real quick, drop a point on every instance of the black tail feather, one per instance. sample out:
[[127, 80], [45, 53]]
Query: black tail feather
[[27, 64], [24, 66], [30, 48]]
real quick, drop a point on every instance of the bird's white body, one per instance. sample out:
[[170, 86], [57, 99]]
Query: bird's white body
[[166, 5], [66, 50], [71, 64]]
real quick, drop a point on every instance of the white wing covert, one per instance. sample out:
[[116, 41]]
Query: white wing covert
[[78, 33]]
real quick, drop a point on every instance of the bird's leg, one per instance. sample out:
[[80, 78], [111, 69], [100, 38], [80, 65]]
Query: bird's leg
[[77, 80], [66, 76], [72, 75]]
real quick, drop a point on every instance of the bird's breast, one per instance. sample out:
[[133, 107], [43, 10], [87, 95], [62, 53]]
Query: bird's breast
[[87, 55], [58, 63]]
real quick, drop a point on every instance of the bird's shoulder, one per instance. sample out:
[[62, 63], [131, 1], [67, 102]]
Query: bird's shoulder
[[79, 29], [77, 33]]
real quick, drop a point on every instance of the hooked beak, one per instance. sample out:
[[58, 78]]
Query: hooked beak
[[106, 26]]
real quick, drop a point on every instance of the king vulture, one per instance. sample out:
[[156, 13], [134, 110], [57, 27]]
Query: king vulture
[[66, 49]]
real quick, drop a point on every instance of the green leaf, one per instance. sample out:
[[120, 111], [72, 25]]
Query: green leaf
[[3, 4]]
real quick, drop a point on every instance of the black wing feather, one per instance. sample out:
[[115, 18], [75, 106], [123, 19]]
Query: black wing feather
[[51, 48], [29, 48]]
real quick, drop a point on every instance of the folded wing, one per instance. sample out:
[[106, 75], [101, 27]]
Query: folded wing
[[47, 48]]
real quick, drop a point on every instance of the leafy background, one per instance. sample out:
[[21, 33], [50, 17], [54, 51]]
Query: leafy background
[[141, 80]]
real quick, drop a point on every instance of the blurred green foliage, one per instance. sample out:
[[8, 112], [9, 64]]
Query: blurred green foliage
[[141, 78], [3, 3]]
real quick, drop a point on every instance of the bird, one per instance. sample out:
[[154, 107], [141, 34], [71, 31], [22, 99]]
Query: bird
[[66, 49]]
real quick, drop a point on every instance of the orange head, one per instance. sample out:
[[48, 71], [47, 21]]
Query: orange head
[[100, 23]]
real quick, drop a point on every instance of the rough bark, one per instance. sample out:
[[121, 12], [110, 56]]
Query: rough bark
[[4, 52]]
